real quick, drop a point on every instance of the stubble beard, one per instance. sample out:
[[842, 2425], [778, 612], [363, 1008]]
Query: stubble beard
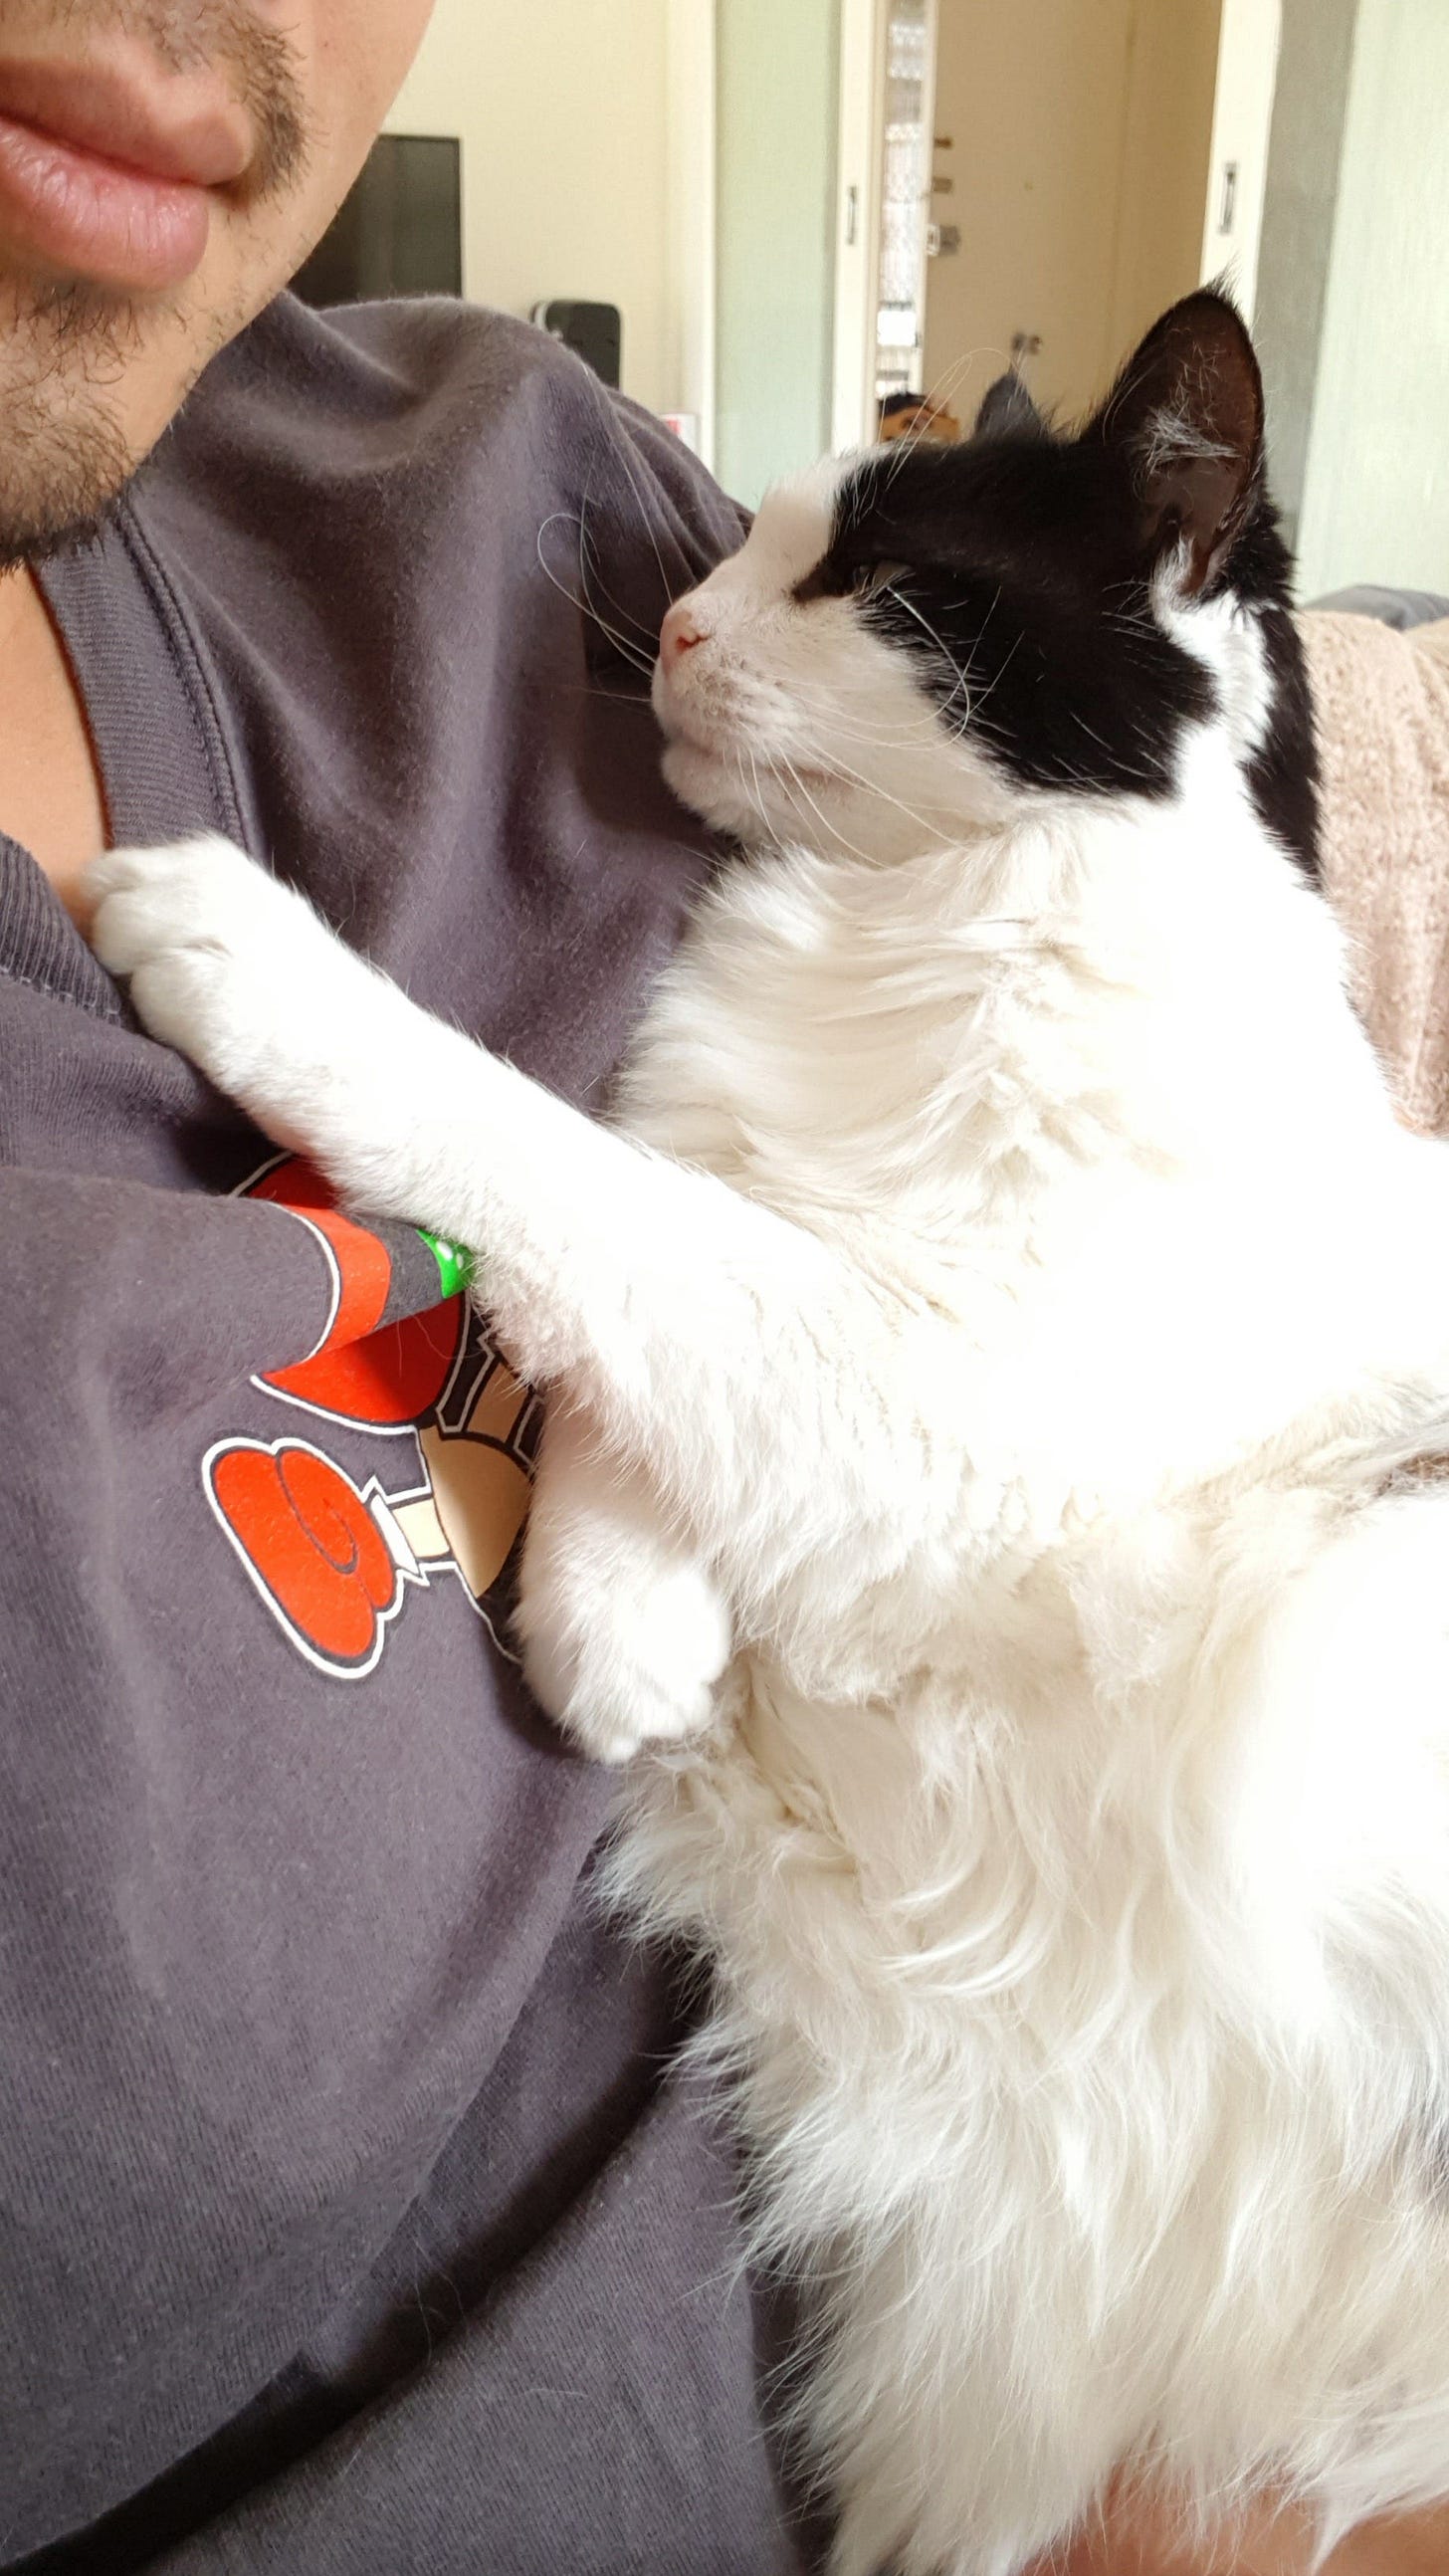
[[64, 457]]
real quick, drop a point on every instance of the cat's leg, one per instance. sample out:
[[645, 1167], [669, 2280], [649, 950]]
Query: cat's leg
[[625, 1634], [778, 1398]]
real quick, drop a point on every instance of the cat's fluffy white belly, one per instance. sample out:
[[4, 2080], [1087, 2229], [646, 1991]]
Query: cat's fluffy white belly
[[1093, 2152]]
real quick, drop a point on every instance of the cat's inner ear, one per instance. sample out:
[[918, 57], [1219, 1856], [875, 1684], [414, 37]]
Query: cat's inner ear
[[1007, 411], [1186, 414]]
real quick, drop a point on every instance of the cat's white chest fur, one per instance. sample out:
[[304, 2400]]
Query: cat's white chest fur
[[1008, 1083]]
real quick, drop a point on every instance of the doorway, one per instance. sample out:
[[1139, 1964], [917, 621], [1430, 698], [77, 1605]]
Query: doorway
[[909, 196], [1074, 146]]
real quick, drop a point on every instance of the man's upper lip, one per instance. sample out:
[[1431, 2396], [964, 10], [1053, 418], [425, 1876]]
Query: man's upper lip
[[101, 111]]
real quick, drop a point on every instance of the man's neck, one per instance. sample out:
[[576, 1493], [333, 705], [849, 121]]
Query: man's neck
[[51, 798]]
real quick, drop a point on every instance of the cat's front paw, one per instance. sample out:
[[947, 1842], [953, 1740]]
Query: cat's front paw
[[637, 1667], [220, 958]]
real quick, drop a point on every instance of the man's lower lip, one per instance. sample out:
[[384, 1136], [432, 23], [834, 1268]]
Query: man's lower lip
[[76, 215]]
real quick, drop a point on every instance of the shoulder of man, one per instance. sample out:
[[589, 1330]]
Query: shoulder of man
[[427, 400], [420, 555]]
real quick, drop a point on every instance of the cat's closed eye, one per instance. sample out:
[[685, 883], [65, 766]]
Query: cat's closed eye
[[834, 578], [829, 580]]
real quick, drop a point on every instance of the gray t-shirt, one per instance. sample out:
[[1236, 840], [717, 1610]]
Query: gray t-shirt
[[354, 2214]]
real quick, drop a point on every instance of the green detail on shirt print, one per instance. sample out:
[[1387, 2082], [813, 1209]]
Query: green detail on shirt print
[[455, 1266]]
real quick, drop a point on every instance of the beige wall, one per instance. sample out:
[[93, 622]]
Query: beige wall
[[562, 110], [1080, 133]]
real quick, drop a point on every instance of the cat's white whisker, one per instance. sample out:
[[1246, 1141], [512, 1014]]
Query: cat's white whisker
[[589, 559], [649, 520], [627, 650]]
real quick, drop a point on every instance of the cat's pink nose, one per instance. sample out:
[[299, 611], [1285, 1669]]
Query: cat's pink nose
[[678, 635]]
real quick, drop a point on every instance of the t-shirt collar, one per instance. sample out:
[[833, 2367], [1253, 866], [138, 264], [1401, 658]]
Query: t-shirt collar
[[165, 762]]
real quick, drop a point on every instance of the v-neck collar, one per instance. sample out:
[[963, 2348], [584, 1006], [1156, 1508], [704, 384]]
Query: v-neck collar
[[40, 945], [160, 739]]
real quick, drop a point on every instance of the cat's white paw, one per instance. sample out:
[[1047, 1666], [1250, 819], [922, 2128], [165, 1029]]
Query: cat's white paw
[[619, 1673], [222, 961]]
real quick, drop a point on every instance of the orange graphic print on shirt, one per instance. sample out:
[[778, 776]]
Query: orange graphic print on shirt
[[336, 1562]]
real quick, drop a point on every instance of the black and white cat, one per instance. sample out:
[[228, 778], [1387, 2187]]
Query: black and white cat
[[979, 1360]]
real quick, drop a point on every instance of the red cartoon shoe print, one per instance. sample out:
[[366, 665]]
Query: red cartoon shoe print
[[402, 1356], [312, 1547]]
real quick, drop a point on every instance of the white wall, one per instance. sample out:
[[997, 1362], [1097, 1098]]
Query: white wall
[[1376, 489], [563, 111]]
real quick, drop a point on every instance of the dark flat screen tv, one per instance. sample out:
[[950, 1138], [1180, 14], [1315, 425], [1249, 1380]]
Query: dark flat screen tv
[[399, 231]]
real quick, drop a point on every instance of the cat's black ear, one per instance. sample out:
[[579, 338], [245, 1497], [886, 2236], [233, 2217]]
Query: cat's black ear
[[1007, 411], [1186, 414]]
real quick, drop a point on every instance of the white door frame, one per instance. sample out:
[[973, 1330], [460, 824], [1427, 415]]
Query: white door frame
[[928, 191], [859, 175], [690, 214], [1249, 35], [861, 159]]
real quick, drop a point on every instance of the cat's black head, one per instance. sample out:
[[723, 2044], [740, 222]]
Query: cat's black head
[[1029, 614]]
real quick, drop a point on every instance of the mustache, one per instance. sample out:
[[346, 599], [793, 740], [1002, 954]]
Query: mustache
[[226, 36]]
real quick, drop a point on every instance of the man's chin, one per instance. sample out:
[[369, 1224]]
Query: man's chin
[[54, 500], [65, 456]]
